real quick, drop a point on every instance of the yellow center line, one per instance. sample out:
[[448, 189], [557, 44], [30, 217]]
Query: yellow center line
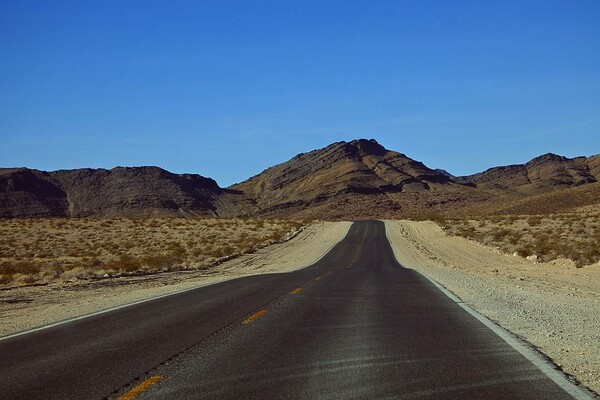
[[298, 289], [142, 387], [317, 278], [254, 317]]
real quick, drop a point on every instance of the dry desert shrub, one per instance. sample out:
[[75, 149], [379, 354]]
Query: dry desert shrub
[[575, 236], [42, 250]]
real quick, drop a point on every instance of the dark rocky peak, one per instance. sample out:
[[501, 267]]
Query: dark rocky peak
[[548, 158], [367, 147], [444, 172], [39, 183], [355, 149], [201, 182]]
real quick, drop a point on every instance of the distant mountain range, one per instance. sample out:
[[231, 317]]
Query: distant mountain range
[[120, 192], [540, 175], [345, 180]]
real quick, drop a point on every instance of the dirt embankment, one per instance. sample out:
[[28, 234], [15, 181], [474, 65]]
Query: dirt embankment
[[29, 307], [554, 306]]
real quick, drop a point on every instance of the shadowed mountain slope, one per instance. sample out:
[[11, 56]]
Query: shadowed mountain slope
[[120, 192], [31, 193]]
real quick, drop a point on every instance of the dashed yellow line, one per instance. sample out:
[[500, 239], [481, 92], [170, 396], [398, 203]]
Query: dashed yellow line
[[153, 380], [254, 317], [357, 252], [298, 289], [141, 388]]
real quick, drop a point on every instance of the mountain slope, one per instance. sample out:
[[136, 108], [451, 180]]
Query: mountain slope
[[138, 191], [557, 201], [30, 193], [540, 175], [347, 179]]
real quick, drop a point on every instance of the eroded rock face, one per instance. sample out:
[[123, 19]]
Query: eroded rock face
[[540, 175], [30, 193], [345, 180], [349, 172], [139, 191]]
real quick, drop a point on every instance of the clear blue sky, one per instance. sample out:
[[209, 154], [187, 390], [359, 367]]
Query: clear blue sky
[[228, 88]]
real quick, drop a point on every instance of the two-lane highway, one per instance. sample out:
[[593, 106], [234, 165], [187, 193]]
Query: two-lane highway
[[354, 325]]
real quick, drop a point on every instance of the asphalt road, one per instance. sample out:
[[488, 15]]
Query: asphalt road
[[354, 325]]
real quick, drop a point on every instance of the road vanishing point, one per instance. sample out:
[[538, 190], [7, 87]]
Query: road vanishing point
[[356, 324]]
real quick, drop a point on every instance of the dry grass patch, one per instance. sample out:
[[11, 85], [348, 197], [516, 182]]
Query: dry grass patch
[[43, 250], [575, 236]]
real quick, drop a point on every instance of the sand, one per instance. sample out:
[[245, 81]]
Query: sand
[[554, 306], [33, 306]]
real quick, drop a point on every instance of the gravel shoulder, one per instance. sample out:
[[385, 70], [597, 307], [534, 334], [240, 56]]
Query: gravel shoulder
[[554, 306], [29, 307]]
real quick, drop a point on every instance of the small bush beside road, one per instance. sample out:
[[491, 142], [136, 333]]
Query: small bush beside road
[[44, 250], [574, 236]]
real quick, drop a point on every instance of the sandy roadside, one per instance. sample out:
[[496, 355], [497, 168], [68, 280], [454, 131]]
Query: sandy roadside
[[29, 307], [554, 306]]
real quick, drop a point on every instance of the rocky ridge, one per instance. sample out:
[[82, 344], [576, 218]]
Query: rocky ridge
[[345, 180], [542, 174], [120, 192], [343, 173]]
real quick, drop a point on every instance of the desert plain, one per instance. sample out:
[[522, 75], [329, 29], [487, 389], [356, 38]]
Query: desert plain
[[553, 305], [520, 244]]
